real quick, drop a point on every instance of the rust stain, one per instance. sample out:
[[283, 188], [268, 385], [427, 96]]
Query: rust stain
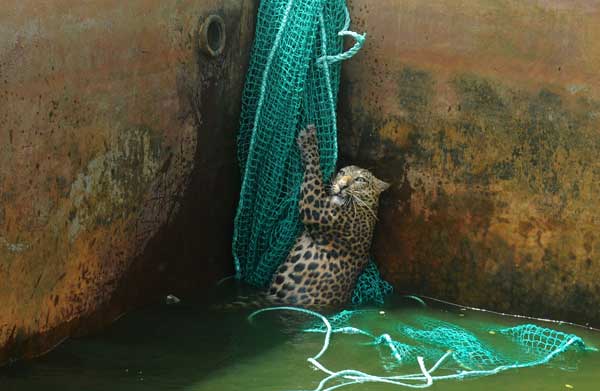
[[488, 130], [112, 127]]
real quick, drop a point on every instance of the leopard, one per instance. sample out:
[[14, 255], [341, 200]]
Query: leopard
[[339, 219]]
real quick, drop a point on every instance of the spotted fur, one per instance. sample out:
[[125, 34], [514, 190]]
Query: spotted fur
[[322, 267], [326, 259]]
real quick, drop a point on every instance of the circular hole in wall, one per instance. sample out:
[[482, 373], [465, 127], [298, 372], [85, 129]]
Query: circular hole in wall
[[212, 35]]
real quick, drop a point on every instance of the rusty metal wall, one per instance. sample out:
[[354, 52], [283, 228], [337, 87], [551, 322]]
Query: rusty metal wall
[[117, 169], [485, 115]]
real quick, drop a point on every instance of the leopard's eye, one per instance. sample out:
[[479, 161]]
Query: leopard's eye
[[361, 179]]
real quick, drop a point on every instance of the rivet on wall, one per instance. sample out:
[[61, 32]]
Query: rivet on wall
[[212, 36]]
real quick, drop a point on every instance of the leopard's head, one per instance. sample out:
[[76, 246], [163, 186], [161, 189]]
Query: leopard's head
[[355, 184]]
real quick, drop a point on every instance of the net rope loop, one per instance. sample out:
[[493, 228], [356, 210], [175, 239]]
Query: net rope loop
[[358, 38]]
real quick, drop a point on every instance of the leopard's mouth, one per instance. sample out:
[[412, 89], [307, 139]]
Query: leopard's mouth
[[338, 196], [337, 200]]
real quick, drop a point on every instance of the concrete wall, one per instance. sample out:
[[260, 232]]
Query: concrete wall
[[486, 116], [117, 164]]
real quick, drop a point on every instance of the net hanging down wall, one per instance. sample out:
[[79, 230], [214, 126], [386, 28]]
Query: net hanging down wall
[[292, 81]]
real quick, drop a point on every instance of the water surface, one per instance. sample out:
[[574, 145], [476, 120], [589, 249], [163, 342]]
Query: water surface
[[189, 348]]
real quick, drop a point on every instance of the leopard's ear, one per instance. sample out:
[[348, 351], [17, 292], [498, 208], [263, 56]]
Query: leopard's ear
[[381, 185]]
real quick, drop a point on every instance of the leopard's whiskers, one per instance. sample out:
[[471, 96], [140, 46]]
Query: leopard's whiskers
[[362, 203]]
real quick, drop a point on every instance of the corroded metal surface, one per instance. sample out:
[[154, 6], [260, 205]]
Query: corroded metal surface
[[486, 116], [117, 167]]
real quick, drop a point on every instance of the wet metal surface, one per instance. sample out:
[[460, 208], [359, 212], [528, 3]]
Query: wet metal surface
[[117, 166], [486, 117]]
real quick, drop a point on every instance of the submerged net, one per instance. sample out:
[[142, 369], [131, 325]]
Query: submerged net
[[292, 81], [419, 349]]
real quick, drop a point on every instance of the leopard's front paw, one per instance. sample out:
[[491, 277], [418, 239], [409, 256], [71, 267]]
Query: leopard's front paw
[[307, 138]]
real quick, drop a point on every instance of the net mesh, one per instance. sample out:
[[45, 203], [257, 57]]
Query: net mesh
[[292, 81], [422, 348]]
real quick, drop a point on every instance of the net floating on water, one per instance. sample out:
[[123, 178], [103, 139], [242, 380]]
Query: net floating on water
[[450, 350]]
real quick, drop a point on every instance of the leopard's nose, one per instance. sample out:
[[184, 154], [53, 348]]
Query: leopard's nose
[[344, 181]]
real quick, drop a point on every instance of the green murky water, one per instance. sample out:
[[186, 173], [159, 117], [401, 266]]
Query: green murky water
[[186, 347]]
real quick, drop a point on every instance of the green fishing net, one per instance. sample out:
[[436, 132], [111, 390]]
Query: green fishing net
[[292, 81]]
